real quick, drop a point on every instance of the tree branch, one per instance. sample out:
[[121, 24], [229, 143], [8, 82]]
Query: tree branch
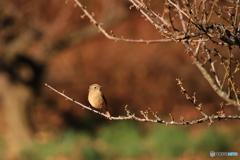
[[131, 116]]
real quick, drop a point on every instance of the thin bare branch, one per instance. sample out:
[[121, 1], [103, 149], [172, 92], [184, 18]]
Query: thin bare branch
[[111, 36], [182, 19], [131, 116], [192, 99]]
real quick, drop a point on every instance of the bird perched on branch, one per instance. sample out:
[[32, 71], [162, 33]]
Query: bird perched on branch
[[97, 99]]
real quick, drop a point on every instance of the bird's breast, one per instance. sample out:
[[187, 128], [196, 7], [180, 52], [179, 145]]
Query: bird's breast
[[96, 100]]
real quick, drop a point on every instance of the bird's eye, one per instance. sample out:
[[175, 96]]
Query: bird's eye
[[95, 87]]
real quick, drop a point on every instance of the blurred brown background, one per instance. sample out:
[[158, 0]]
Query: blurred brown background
[[46, 41]]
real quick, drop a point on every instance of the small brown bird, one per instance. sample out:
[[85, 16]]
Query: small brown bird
[[97, 99]]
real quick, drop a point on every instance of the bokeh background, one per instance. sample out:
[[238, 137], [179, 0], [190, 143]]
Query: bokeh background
[[47, 41]]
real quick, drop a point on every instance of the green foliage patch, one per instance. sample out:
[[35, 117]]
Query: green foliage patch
[[126, 140]]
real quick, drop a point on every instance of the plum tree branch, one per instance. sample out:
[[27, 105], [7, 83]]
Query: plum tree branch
[[132, 116], [112, 36]]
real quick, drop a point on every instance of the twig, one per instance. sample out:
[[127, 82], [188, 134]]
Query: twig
[[193, 100], [113, 37], [212, 64]]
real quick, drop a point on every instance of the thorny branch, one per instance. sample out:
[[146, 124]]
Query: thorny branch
[[131, 116], [209, 30]]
